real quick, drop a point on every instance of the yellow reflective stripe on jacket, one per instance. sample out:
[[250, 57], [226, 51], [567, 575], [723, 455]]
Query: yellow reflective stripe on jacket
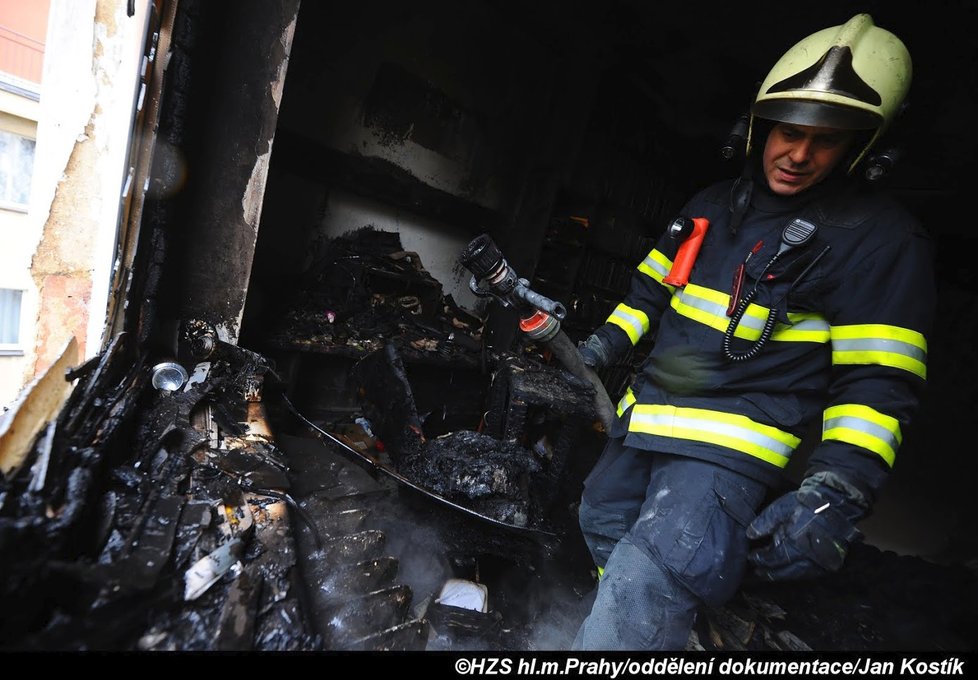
[[880, 344], [626, 401], [709, 307], [805, 327], [865, 427], [657, 266], [633, 321], [730, 430], [600, 572]]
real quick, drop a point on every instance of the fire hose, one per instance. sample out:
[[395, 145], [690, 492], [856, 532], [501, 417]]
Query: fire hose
[[540, 316]]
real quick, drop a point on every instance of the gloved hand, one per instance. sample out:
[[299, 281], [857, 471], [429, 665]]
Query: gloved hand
[[594, 352], [808, 532]]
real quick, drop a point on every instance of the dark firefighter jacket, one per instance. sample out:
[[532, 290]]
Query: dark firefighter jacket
[[849, 348]]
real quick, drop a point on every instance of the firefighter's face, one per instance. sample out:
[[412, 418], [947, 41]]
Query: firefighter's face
[[797, 157]]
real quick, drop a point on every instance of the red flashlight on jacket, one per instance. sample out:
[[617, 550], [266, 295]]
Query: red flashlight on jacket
[[690, 231]]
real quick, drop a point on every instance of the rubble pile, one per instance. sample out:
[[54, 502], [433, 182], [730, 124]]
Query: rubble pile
[[366, 300], [499, 478], [362, 290], [171, 526], [490, 476], [178, 536]]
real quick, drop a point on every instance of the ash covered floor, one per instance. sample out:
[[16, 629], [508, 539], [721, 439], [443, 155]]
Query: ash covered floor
[[387, 551], [383, 593]]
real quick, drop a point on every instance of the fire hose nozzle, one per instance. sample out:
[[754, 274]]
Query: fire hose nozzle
[[540, 316], [482, 257], [538, 301], [492, 275]]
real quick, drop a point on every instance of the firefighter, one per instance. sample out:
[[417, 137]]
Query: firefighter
[[809, 299]]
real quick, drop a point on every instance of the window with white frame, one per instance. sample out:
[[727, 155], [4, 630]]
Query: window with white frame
[[16, 168], [10, 320]]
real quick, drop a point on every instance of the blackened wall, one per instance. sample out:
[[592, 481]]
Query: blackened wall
[[220, 109]]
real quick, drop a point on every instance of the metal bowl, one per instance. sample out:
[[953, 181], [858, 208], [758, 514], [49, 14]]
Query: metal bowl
[[169, 376]]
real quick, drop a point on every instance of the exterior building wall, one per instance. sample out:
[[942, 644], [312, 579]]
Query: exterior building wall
[[59, 248], [23, 24], [22, 39], [90, 90]]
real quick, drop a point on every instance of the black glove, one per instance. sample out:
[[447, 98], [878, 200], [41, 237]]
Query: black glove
[[809, 532], [594, 352]]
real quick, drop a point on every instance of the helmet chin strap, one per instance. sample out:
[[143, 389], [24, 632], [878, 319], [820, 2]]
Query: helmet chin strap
[[743, 186], [864, 150], [740, 194]]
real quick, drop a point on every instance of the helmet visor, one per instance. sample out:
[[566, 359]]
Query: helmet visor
[[814, 113]]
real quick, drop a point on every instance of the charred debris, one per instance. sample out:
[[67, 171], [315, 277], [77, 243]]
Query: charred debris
[[373, 479], [166, 515], [489, 432], [152, 518]]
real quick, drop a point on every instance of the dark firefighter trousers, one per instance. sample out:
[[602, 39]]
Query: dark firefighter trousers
[[669, 532]]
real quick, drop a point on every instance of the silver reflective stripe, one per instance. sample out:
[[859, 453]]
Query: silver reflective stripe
[[633, 322], [626, 401], [807, 325], [725, 429], [864, 426], [717, 310], [880, 345], [655, 266]]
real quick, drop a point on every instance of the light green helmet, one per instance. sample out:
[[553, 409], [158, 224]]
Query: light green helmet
[[853, 77]]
